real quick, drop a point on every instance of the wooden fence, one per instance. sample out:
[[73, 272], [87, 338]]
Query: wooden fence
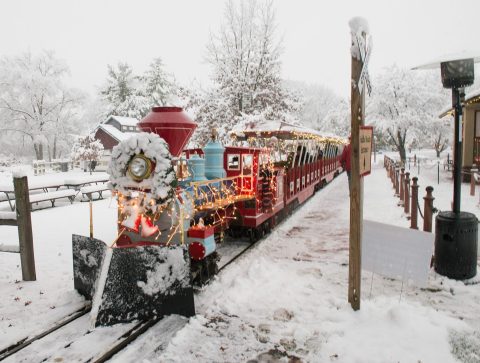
[[407, 192], [40, 166], [22, 219]]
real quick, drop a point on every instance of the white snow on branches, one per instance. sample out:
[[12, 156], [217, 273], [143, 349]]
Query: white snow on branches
[[358, 25], [161, 184]]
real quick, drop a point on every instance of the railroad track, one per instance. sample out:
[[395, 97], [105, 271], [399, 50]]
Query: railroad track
[[65, 334]]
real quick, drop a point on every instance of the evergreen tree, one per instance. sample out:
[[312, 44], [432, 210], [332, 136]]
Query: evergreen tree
[[159, 85], [126, 94]]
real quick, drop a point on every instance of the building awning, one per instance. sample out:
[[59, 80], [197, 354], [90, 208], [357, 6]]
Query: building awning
[[470, 99]]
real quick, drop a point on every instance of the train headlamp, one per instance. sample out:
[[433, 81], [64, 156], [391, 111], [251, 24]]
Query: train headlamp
[[140, 167]]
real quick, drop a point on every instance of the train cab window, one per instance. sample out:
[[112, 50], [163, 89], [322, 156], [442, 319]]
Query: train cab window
[[303, 182], [247, 164], [233, 162], [308, 178], [298, 184], [292, 187]]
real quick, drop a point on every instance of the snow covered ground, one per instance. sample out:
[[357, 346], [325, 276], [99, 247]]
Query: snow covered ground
[[285, 299]]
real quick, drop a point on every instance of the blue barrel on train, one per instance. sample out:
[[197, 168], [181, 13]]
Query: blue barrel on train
[[214, 160]]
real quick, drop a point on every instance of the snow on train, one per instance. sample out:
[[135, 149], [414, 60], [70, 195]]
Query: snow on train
[[175, 207]]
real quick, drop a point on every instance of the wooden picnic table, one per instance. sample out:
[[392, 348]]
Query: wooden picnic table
[[7, 191], [77, 183]]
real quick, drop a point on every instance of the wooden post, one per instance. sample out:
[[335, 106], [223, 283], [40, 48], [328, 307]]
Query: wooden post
[[356, 191], [406, 205], [91, 217], [414, 213], [397, 181], [472, 181], [24, 222], [428, 209], [402, 186]]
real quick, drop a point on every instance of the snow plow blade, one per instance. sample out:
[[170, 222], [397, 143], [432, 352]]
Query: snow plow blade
[[142, 282]]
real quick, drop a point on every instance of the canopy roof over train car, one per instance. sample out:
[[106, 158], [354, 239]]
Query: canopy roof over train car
[[282, 131]]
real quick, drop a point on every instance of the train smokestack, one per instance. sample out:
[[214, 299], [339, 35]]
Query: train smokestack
[[172, 124]]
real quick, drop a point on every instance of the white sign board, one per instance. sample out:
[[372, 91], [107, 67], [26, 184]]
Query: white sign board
[[397, 253], [366, 141]]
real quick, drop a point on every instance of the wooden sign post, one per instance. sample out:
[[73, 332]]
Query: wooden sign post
[[360, 57]]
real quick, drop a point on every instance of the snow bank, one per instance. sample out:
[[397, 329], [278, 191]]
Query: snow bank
[[161, 279]]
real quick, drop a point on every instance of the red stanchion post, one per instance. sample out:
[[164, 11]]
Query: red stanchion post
[[414, 213], [402, 186], [406, 204], [397, 181], [391, 172], [472, 181], [428, 210]]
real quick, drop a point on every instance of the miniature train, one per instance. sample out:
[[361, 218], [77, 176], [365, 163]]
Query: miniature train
[[185, 201]]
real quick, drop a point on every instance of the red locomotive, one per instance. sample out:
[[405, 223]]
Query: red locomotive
[[176, 206]]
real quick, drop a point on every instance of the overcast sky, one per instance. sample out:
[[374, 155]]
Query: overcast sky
[[89, 34]]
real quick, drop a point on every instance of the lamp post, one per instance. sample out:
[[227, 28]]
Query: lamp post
[[456, 231]]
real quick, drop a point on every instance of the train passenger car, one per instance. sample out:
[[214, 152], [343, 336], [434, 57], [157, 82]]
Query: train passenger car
[[290, 163]]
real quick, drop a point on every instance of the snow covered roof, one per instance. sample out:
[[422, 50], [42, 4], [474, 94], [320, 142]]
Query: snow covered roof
[[282, 130], [122, 120], [435, 63], [470, 97], [116, 133]]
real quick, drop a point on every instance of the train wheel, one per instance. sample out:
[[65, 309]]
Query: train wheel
[[204, 273], [196, 271], [235, 231], [251, 236], [212, 268], [258, 233]]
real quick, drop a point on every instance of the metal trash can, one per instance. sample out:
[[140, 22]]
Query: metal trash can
[[456, 245]]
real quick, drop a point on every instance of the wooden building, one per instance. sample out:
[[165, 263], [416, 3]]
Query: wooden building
[[470, 130], [115, 129]]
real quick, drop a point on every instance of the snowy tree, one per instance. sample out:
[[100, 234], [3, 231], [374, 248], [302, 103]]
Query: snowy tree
[[127, 94], [317, 102], [210, 110], [404, 106], [120, 93], [337, 119], [159, 85], [245, 58], [35, 105], [87, 149]]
